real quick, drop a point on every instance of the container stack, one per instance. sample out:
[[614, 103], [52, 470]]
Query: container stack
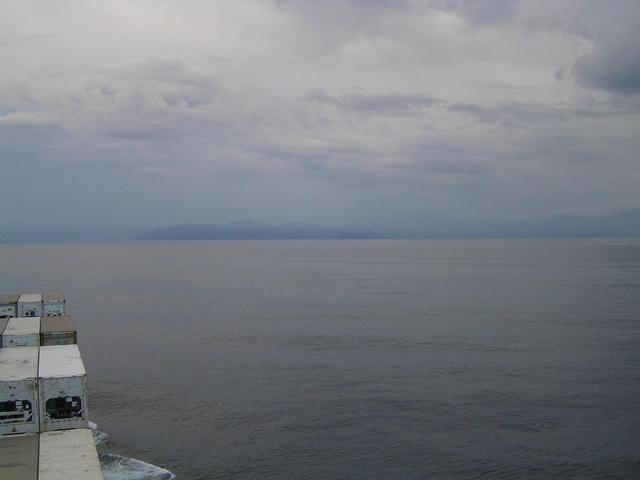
[[19, 390], [53, 304], [9, 306], [57, 331], [44, 432], [21, 332], [30, 305]]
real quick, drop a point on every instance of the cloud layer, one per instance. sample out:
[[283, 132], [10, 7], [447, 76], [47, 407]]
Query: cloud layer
[[329, 112]]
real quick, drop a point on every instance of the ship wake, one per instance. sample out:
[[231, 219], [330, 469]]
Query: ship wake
[[118, 467]]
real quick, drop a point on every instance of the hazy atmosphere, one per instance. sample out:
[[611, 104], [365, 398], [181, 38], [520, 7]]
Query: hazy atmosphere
[[296, 239], [361, 112]]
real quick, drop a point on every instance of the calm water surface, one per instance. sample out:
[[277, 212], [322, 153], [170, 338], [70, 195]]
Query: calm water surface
[[357, 359]]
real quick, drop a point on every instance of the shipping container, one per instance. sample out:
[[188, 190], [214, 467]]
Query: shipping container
[[18, 390], [9, 306], [19, 457], [21, 332], [3, 325], [30, 305], [53, 304], [62, 388], [68, 455], [57, 331]]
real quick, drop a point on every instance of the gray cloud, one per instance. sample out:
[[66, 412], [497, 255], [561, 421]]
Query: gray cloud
[[616, 69], [388, 103], [612, 28], [514, 115], [320, 111], [483, 12]]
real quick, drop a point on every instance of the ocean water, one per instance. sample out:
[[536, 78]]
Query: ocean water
[[457, 359]]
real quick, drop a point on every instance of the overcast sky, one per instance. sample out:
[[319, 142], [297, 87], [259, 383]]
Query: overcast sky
[[333, 112]]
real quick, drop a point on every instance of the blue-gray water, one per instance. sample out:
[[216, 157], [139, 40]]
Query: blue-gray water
[[357, 359]]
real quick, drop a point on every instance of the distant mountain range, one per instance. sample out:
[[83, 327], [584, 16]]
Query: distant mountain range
[[622, 224], [69, 233], [258, 231]]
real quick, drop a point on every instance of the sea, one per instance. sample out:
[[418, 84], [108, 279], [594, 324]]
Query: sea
[[354, 359]]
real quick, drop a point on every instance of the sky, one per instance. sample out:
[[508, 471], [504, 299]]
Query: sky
[[333, 112]]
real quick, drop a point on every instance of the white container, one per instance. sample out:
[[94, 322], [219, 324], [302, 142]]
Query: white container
[[18, 390], [62, 388], [57, 331], [3, 325], [53, 304], [68, 455], [21, 332], [19, 457], [30, 305], [9, 306]]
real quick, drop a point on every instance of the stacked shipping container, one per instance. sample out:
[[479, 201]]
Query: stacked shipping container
[[57, 331], [43, 393], [53, 304], [59, 455], [9, 306], [30, 305], [3, 325], [62, 388], [19, 390], [19, 457], [67, 455], [35, 331], [21, 332]]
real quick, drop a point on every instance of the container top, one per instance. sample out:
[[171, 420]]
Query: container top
[[11, 298], [19, 457], [60, 361], [53, 297], [3, 324], [18, 363], [30, 298], [57, 324], [22, 326], [68, 455]]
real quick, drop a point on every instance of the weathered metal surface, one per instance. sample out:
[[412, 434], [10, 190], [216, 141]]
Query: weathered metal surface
[[57, 331], [68, 455], [19, 457], [9, 306], [62, 388], [53, 304], [18, 390], [43, 389], [30, 305], [21, 332], [3, 325]]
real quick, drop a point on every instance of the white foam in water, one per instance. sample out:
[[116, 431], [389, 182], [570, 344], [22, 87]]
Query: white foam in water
[[99, 438], [117, 467]]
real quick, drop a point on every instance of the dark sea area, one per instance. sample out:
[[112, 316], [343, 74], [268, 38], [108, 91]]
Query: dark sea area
[[369, 359]]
